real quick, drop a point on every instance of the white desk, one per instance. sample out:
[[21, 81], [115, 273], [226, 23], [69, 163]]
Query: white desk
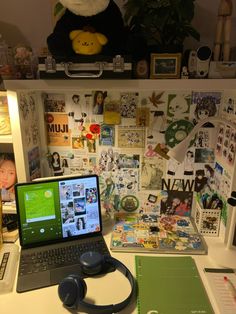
[[111, 288]]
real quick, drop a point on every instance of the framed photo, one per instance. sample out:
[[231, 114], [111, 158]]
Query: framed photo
[[165, 65]]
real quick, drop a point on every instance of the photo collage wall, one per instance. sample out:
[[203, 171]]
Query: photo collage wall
[[124, 137]]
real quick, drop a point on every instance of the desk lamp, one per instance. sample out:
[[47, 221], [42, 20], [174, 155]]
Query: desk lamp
[[223, 253]]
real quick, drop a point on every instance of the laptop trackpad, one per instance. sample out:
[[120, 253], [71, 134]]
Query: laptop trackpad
[[33, 281], [57, 275]]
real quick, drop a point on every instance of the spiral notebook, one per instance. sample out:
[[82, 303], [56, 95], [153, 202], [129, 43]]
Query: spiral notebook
[[170, 285]]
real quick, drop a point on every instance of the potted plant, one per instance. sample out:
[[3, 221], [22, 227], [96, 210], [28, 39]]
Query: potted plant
[[164, 24]]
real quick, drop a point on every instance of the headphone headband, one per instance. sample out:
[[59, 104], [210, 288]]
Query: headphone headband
[[73, 291]]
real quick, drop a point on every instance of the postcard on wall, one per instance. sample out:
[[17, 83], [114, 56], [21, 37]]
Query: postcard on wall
[[229, 105], [129, 161], [129, 102], [205, 105], [142, 116], [58, 130], [54, 102], [131, 137], [34, 163], [111, 113], [107, 135], [152, 172]]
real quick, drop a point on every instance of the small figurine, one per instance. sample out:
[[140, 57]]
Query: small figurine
[[184, 73]]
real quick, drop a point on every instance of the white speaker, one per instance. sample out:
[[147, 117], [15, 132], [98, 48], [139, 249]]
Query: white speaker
[[199, 62], [203, 56]]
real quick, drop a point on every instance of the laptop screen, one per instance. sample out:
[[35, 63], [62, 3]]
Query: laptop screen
[[58, 209]]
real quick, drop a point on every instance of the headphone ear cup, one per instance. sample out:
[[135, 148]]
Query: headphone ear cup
[[71, 290]]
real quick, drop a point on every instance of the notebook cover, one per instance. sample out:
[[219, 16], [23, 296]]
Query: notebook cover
[[170, 285], [157, 234]]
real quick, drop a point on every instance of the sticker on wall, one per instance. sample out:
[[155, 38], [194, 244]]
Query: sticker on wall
[[28, 113], [202, 138], [150, 152], [178, 184], [178, 131], [24, 106], [129, 203], [157, 124], [91, 143], [178, 107], [189, 164], [156, 99]]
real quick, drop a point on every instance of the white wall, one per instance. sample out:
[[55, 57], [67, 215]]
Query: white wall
[[205, 20], [30, 22], [25, 22]]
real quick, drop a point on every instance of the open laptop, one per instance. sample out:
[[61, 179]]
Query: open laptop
[[59, 219]]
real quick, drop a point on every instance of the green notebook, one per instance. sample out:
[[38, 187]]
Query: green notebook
[[170, 285]]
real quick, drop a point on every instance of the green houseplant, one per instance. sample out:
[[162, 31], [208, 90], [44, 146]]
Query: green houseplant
[[164, 24]]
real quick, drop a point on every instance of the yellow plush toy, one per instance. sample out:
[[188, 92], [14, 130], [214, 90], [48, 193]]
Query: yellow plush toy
[[86, 42]]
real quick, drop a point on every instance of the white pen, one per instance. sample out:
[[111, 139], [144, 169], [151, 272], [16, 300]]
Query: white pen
[[230, 286]]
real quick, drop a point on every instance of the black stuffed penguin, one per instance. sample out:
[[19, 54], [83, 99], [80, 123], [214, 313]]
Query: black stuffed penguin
[[103, 16]]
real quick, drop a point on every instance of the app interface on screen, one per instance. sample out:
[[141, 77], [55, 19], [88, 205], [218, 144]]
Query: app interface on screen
[[55, 210], [39, 213], [79, 207]]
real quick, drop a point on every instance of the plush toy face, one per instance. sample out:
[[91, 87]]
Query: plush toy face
[[87, 43], [85, 7]]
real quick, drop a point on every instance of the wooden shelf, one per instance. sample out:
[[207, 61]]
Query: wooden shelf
[[6, 139], [171, 84], [9, 208]]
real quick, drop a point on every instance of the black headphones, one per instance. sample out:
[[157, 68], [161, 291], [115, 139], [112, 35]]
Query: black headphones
[[72, 289]]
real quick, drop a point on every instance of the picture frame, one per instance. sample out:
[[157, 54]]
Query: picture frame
[[165, 65]]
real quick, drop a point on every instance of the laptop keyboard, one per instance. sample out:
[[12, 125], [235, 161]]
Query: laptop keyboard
[[58, 257]]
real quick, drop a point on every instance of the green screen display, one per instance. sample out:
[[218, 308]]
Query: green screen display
[[40, 213], [39, 204]]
